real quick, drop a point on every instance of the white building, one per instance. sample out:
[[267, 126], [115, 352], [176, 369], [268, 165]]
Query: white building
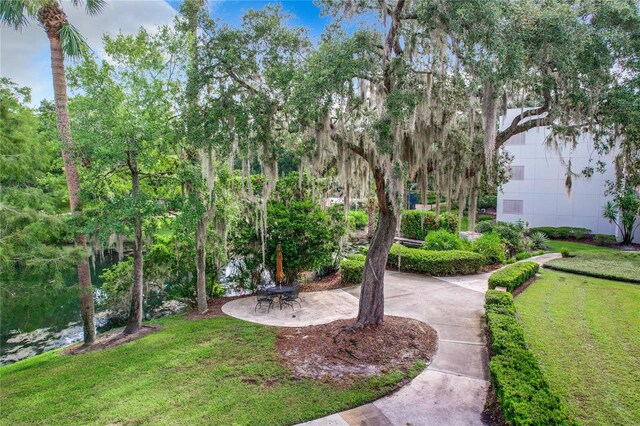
[[536, 192]]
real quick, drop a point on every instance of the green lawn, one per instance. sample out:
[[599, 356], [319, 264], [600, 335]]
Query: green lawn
[[215, 371], [556, 245], [619, 266], [585, 333]]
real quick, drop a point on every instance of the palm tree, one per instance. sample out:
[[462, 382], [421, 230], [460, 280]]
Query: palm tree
[[64, 40]]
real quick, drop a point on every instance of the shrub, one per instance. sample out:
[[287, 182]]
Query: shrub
[[490, 246], [525, 244], [521, 389], [448, 221], [438, 263], [562, 232], [510, 233], [488, 202], [417, 223], [442, 240], [511, 260], [483, 217], [538, 252], [358, 218], [564, 252], [523, 255], [352, 269], [513, 276], [604, 239], [539, 240]]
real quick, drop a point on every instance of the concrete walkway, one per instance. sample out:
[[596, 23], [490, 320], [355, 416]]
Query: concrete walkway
[[452, 390]]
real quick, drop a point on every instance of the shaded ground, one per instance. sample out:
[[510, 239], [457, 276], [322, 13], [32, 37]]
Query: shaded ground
[[335, 351], [214, 308], [584, 332], [108, 340], [217, 371]]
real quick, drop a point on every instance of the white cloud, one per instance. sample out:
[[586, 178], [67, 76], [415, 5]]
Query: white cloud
[[24, 56]]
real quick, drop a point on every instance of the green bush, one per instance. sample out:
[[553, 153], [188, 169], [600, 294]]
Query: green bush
[[539, 240], [523, 255], [511, 260], [538, 252], [488, 202], [442, 240], [416, 224], [448, 221], [352, 269], [360, 219], [564, 252], [562, 232], [438, 263], [513, 276], [522, 391], [510, 233], [490, 246], [483, 217], [604, 239]]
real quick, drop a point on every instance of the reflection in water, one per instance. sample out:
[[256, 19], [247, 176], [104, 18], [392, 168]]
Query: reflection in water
[[38, 318]]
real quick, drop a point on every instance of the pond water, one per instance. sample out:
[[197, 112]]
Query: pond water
[[40, 318]]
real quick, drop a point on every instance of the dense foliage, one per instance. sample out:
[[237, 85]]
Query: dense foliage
[[491, 247], [521, 388], [416, 224], [513, 276], [352, 269], [443, 240], [511, 234], [438, 263], [562, 232]]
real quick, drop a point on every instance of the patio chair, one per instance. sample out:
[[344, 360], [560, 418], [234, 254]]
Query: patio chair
[[289, 299], [263, 296]]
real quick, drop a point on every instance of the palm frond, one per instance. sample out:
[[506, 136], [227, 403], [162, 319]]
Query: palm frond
[[72, 42], [92, 7], [15, 13]]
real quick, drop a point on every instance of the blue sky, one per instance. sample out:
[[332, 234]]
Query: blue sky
[[24, 55]]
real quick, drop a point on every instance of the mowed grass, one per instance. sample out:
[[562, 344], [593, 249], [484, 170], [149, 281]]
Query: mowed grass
[[585, 333], [614, 265], [219, 371], [556, 245]]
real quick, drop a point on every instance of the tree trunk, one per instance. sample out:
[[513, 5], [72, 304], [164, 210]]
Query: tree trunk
[[73, 182], [473, 206], [371, 307], [371, 212], [201, 264], [135, 313]]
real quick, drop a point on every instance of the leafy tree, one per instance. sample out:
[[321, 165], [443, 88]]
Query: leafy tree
[[64, 40], [36, 242], [416, 96], [123, 121]]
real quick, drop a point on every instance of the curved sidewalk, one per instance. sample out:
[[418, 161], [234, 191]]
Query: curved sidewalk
[[452, 389]]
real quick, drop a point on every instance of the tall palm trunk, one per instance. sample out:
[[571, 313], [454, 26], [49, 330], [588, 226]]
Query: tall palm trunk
[[70, 170], [134, 322]]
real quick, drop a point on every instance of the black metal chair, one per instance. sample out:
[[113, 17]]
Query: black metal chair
[[263, 296], [288, 299]]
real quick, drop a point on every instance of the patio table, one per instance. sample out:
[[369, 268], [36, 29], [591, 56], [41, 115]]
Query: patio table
[[280, 292]]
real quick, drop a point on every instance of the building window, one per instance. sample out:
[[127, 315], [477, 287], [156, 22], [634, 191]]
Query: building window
[[518, 139], [512, 206], [517, 172]]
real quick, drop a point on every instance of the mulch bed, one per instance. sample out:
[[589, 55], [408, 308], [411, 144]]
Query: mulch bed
[[330, 282], [110, 339], [214, 308], [336, 352]]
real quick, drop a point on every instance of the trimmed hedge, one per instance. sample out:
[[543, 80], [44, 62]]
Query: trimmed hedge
[[562, 232], [352, 270], [416, 224], [438, 263], [513, 276], [521, 388]]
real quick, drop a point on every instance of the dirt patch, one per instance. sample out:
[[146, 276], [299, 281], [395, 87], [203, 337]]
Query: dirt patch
[[330, 282], [110, 339], [214, 308], [336, 352], [492, 413]]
